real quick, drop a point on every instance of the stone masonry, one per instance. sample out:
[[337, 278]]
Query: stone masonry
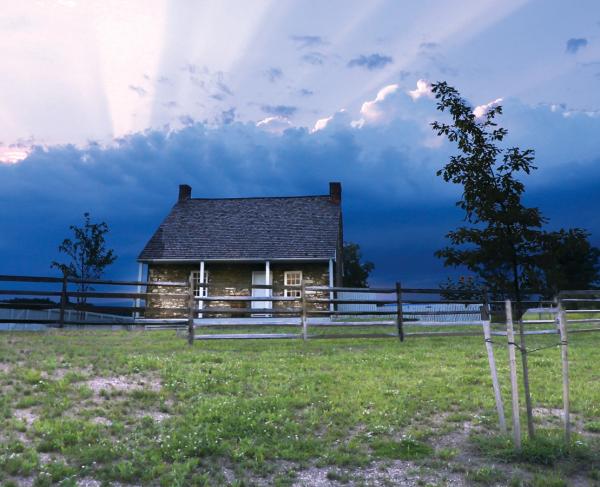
[[227, 279]]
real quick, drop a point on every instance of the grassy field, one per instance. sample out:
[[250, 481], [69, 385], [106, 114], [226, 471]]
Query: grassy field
[[100, 408]]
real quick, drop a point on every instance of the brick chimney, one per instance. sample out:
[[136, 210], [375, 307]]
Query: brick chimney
[[185, 192], [335, 192]]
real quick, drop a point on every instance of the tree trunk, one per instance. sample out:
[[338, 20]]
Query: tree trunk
[[522, 347]]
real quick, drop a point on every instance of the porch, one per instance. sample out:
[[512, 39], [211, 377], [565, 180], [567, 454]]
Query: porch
[[235, 288]]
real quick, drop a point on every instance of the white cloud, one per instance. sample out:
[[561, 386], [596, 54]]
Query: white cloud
[[481, 110], [274, 124], [340, 118], [374, 110], [13, 154], [321, 123], [423, 89]]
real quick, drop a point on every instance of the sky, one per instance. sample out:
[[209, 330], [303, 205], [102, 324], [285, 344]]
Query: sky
[[107, 106]]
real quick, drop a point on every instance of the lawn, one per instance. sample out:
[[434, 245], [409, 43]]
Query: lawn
[[95, 408]]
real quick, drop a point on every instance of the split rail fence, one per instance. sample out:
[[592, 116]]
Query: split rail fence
[[304, 312]]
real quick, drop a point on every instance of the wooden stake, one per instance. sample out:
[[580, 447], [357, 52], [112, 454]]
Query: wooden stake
[[303, 317], [496, 385], [399, 315], [562, 327], [510, 335], [191, 309]]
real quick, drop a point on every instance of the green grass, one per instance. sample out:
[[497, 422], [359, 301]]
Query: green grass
[[267, 409]]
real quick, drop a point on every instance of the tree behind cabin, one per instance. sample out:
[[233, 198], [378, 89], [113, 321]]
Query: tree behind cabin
[[356, 273]]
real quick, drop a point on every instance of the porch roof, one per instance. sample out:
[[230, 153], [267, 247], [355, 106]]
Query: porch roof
[[304, 228]]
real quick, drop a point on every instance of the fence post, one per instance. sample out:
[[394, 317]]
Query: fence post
[[399, 315], [303, 317], [63, 302], [510, 336], [191, 310], [487, 333], [562, 327]]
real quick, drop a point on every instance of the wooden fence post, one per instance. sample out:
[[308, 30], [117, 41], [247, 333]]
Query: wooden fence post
[[303, 316], [191, 310], [63, 302], [510, 335], [399, 315], [562, 327], [487, 334]]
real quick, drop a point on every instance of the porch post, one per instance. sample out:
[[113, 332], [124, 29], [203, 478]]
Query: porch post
[[268, 282], [331, 307], [201, 290], [137, 302]]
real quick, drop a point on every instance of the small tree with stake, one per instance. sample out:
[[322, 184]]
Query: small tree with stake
[[501, 244], [87, 253]]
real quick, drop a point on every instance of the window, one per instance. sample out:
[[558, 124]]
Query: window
[[200, 292], [292, 278]]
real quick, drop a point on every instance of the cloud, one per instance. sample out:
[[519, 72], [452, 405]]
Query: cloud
[[186, 120], [315, 58], [339, 120], [576, 43], [13, 153], [224, 88], [228, 116], [423, 89], [138, 89], [274, 124], [371, 110], [394, 205], [304, 41], [481, 110], [273, 74], [370, 62], [279, 110], [428, 46]]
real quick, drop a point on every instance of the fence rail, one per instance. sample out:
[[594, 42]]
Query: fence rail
[[303, 311]]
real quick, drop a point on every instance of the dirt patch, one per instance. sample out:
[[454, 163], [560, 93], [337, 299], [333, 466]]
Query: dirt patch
[[397, 473], [122, 383], [26, 415], [101, 420], [5, 368], [156, 416]]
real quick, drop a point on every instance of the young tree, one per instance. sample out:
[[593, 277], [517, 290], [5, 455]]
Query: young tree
[[501, 243], [504, 244], [87, 253], [356, 273]]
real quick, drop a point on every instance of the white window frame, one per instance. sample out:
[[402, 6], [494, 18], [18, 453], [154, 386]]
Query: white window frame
[[200, 292], [292, 293]]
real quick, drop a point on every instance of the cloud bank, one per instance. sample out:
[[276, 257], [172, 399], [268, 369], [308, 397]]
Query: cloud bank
[[394, 205]]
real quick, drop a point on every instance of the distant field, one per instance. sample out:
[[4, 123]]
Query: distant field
[[94, 408]]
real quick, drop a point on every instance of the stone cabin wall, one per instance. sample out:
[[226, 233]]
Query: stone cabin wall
[[228, 280]]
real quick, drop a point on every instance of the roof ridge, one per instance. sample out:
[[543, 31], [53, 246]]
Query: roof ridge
[[262, 197]]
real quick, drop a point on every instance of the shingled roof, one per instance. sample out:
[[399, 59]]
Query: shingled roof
[[304, 227]]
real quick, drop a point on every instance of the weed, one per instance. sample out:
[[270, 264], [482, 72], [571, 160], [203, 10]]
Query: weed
[[405, 449]]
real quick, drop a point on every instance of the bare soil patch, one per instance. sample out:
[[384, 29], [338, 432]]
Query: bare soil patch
[[123, 383], [26, 415]]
